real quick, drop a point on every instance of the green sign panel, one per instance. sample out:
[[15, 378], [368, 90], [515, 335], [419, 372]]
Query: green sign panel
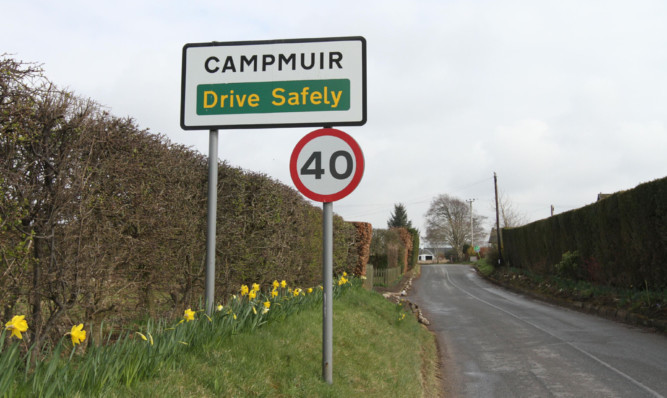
[[273, 97]]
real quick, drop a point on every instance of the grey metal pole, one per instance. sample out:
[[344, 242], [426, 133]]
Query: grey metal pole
[[472, 231], [472, 234], [500, 246], [210, 219], [327, 304]]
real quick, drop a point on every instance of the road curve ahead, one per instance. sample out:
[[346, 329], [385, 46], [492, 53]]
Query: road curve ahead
[[495, 343]]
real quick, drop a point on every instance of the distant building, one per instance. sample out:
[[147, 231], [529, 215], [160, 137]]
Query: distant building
[[432, 253], [493, 237], [426, 256], [603, 196]]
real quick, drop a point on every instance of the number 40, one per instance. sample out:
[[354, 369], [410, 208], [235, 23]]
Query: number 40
[[316, 169]]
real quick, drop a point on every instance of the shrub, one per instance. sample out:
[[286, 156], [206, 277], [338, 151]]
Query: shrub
[[491, 256], [414, 252], [569, 266]]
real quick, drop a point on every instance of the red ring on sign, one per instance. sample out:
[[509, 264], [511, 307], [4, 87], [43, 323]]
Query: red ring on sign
[[358, 160]]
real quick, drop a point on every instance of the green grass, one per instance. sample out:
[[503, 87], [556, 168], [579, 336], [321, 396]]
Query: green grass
[[377, 352], [243, 349], [484, 267]]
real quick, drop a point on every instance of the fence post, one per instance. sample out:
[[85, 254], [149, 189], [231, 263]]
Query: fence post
[[368, 283]]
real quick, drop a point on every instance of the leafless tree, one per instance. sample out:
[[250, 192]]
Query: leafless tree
[[510, 217], [448, 222]]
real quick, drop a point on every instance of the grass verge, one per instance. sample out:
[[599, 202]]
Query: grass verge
[[645, 304], [379, 351], [484, 267]]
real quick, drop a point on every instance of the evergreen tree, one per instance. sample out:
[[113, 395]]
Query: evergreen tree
[[399, 218]]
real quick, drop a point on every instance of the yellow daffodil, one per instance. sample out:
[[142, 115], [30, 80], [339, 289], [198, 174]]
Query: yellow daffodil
[[283, 284], [189, 315], [78, 334], [310, 290], [255, 287], [244, 290], [17, 325], [234, 316], [143, 337], [344, 273], [267, 304], [342, 281], [402, 317], [276, 284], [252, 295], [219, 307], [320, 287], [254, 310], [297, 292], [274, 293]]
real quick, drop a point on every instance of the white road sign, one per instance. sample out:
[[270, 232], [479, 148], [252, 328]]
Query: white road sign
[[278, 83], [326, 165]]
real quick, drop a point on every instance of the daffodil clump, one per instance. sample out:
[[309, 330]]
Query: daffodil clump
[[139, 354], [18, 325]]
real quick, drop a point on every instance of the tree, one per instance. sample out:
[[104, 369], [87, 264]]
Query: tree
[[399, 218], [509, 216], [448, 222]]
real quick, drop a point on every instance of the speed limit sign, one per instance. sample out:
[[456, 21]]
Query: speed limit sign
[[326, 165]]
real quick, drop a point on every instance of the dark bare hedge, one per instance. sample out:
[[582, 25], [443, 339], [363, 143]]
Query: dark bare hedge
[[620, 240], [100, 220]]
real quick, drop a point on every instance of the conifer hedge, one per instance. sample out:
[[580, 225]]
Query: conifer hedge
[[620, 240]]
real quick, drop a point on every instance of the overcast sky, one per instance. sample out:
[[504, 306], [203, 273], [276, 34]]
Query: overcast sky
[[562, 99]]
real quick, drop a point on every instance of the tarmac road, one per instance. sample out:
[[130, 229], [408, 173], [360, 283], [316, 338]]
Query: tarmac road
[[495, 343]]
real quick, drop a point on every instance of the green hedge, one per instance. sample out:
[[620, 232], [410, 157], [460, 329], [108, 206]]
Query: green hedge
[[621, 240]]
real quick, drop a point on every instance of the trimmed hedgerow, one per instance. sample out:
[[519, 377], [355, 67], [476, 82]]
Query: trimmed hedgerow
[[621, 240]]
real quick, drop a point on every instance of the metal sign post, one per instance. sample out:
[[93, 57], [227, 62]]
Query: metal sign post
[[327, 304], [211, 218]]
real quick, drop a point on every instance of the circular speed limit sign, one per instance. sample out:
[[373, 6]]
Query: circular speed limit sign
[[326, 165]]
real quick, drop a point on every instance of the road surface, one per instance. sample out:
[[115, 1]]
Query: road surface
[[495, 343]]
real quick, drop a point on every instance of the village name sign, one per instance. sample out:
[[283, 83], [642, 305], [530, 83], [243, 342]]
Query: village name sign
[[279, 83]]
